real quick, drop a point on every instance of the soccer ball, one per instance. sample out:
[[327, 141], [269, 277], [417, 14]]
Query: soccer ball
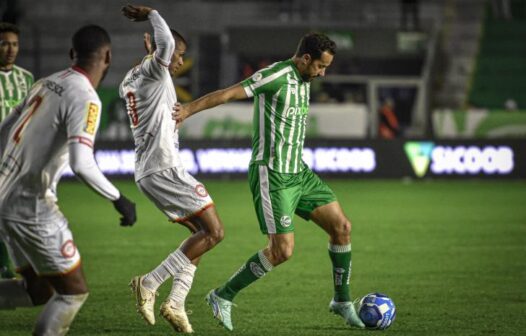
[[377, 311]]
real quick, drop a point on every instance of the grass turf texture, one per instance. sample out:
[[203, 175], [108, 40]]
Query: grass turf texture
[[451, 254]]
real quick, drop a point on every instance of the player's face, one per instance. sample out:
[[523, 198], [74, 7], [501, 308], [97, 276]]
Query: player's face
[[8, 48], [177, 58], [316, 68]]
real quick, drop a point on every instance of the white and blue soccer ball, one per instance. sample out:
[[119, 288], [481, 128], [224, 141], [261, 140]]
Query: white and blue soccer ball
[[377, 311]]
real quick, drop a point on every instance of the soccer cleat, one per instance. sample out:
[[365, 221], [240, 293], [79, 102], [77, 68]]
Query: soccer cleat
[[176, 316], [145, 299], [221, 309], [348, 312]]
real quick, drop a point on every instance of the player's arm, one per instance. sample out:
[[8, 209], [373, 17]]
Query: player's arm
[[83, 164], [164, 41], [82, 122], [208, 101]]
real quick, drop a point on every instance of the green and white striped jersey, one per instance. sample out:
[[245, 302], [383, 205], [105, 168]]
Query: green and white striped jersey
[[281, 105], [14, 86]]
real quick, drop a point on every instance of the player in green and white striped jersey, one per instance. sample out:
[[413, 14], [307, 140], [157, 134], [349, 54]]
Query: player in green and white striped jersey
[[281, 183], [15, 83]]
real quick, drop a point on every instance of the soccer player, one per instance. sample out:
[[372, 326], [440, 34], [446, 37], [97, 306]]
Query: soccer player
[[281, 183], [58, 119], [15, 82], [159, 173]]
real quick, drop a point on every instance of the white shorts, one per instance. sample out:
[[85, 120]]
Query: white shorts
[[48, 248], [176, 193]]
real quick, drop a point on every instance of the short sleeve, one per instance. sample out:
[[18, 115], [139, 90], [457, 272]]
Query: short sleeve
[[83, 121], [264, 80]]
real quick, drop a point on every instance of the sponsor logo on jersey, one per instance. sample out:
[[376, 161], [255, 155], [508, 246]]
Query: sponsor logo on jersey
[[297, 111], [256, 269], [201, 190], [257, 76], [285, 221], [91, 119], [68, 249]]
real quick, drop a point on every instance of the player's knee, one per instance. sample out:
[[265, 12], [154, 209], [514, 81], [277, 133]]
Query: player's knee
[[216, 235], [342, 228]]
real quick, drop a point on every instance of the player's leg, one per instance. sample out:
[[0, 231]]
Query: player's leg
[[54, 263], [330, 217], [71, 292], [320, 205], [184, 200], [154, 279], [29, 291], [274, 206], [208, 233], [279, 249]]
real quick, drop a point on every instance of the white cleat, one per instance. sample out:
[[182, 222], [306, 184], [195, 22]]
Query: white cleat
[[176, 316], [144, 299]]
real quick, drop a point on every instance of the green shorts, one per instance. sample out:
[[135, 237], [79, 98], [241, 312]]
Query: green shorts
[[277, 197]]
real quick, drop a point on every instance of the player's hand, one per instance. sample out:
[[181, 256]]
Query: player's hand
[[136, 13], [127, 209], [180, 113], [148, 43]]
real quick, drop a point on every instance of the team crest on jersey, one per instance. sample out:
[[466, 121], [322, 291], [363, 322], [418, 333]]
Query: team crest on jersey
[[201, 190], [68, 249], [257, 76], [91, 118]]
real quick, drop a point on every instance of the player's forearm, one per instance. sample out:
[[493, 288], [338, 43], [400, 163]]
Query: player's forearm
[[216, 98], [164, 41], [206, 102], [84, 166]]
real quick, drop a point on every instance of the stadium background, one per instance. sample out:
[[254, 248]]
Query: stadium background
[[437, 209]]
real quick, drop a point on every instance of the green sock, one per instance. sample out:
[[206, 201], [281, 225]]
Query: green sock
[[4, 256], [341, 271], [255, 268]]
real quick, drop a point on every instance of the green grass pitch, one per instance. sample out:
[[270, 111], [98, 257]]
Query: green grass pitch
[[451, 254]]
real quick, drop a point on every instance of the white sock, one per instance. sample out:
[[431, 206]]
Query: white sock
[[173, 264], [13, 294], [58, 314], [181, 285], [156, 278]]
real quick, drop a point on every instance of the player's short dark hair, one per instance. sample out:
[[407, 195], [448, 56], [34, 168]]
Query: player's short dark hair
[[178, 37], [6, 27], [89, 39], [315, 44]]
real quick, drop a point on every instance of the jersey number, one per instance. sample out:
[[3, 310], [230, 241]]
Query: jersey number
[[132, 109], [33, 106]]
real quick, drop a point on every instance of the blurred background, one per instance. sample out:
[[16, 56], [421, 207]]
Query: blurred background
[[417, 88]]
